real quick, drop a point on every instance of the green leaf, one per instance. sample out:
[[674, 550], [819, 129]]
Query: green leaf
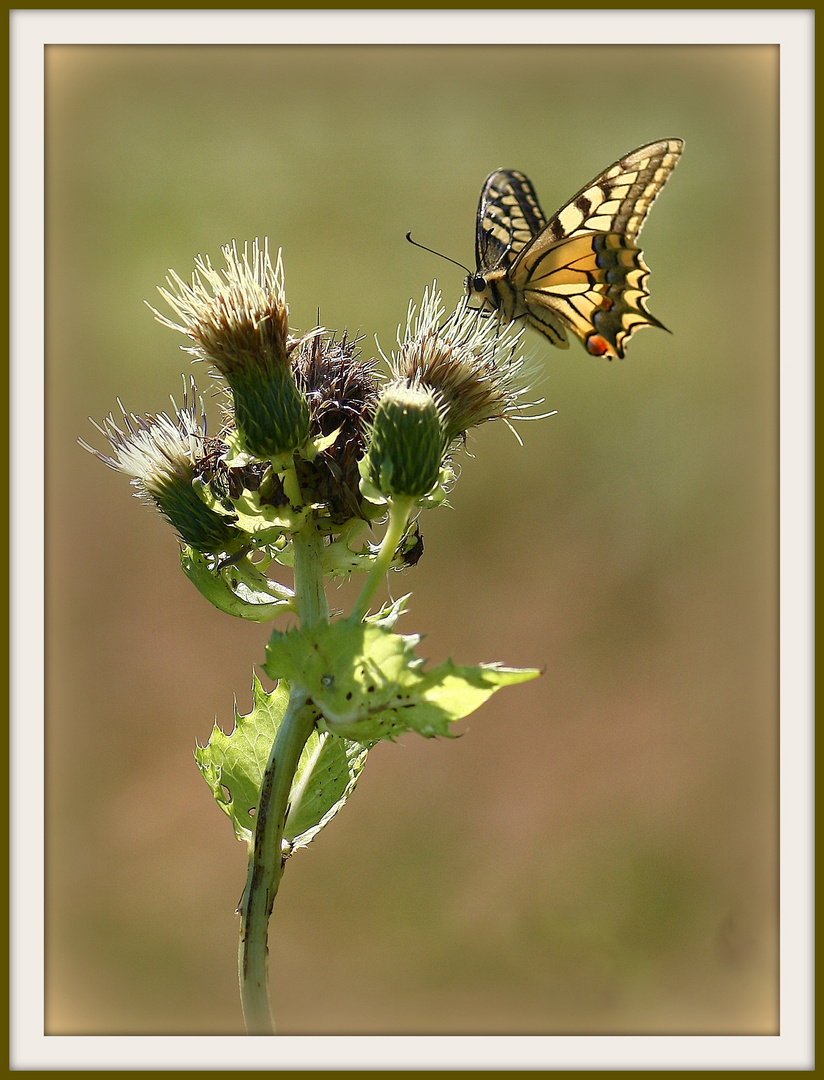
[[238, 589], [233, 766], [327, 773], [264, 523], [369, 685]]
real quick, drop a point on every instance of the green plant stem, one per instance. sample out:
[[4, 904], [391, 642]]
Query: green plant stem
[[266, 865], [310, 594], [399, 510], [266, 860]]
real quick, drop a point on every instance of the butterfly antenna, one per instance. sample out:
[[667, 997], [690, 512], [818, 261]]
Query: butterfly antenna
[[438, 253]]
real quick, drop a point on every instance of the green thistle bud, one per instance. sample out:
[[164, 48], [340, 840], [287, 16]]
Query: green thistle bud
[[238, 321], [162, 456], [271, 414], [407, 442]]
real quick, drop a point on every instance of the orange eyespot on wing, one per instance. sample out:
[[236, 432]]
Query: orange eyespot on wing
[[597, 345]]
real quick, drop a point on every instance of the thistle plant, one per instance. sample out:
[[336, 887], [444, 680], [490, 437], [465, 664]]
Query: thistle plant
[[321, 467]]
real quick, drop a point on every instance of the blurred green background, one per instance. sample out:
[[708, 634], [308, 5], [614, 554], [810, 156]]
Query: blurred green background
[[598, 853]]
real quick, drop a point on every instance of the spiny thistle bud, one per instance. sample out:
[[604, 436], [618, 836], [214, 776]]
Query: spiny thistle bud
[[407, 442], [474, 363], [238, 321], [162, 456]]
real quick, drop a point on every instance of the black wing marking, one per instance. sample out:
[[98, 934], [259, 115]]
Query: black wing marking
[[619, 199]]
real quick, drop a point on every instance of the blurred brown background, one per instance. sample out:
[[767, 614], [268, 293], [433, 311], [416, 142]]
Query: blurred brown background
[[598, 852]]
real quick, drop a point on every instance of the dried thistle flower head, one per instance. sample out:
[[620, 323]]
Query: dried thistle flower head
[[474, 363], [342, 390], [237, 320], [162, 456]]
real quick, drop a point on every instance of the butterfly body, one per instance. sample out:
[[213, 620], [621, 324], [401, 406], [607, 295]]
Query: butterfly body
[[581, 269]]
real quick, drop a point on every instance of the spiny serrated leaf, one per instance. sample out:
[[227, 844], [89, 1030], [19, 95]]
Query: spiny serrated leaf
[[233, 767], [233, 764], [369, 685]]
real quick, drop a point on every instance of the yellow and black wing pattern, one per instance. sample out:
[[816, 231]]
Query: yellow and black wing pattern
[[581, 269]]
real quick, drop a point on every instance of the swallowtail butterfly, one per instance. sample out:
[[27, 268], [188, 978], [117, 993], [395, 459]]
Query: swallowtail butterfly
[[582, 269]]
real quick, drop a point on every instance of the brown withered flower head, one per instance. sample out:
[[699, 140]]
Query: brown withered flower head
[[475, 364], [342, 390]]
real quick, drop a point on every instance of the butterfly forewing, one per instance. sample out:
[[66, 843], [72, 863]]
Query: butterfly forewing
[[509, 216], [620, 198], [582, 269]]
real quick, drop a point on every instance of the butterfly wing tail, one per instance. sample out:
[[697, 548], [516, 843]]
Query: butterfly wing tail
[[595, 285], [623, 306]]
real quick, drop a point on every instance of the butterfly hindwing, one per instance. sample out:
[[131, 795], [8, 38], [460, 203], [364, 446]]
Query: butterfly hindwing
[[581, 270], [593, 283]]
